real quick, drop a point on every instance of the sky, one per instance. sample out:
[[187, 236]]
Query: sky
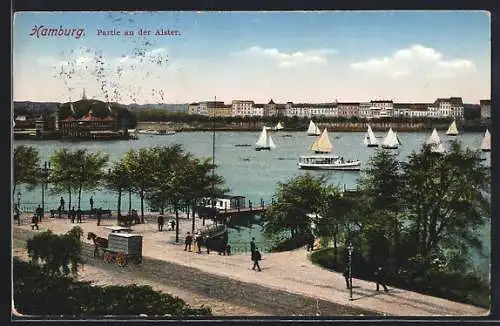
[[405, 56]]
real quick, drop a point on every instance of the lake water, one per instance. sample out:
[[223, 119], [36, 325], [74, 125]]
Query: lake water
[[247, 172]]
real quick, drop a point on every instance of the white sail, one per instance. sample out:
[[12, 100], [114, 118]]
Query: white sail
[[322, 143], [372, 140], [434, 138], [452, 130], [391, 140], [486, 142], [313, 130], [435, 142], [278, 126], [265, 140]]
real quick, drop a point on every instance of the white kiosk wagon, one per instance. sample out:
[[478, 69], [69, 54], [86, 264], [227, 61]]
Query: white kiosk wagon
[[123, 247]]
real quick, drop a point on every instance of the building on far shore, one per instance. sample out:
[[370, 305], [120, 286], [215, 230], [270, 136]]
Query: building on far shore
[[485, 109]]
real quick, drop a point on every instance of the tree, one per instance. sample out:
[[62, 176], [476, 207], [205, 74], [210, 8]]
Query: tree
[[202, 182], [91, 171], [140, 166], [447, 198], [117, 179], [295, 199], [75, 171], [26, 160], [58, 254], [62, 177], [380, 185]]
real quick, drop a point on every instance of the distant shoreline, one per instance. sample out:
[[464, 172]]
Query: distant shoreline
[[342, 127]]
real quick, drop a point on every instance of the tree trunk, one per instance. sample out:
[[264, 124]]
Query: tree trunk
[[193, 223], [142, 206], [69, 200], [119, 208], [79, 196], [130, 200], [176, 209]]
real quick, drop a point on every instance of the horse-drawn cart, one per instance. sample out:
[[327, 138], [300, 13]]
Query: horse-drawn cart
[[123, 247]]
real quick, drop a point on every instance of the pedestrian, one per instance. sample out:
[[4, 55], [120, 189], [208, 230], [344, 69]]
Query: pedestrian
[[39, 213], [34, 222], [346, 276], [72, 214], [91, 201], [380, 276], [161, 221], [99, 212], [79, 215], [256, 256], [197, 242], [205, 243], [228, 249], [172, 225], [62, 204], [252, 245], [188, 241], [310, 242]]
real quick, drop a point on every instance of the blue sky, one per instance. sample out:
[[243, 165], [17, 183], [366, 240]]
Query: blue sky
[[288, 56]]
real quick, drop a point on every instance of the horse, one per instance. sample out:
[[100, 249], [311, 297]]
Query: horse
[[98, 242]]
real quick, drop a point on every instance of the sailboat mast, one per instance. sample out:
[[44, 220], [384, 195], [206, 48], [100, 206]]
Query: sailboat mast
[[213, 152]]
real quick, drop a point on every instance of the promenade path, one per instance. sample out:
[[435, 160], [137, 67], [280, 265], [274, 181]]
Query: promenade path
[[290, 271]]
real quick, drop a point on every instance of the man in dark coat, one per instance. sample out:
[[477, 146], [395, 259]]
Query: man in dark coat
[[380, 276], [91, 202], [188, 241], [161, 221], [346, 276], [34, 222], [62, 204], [39, 213], [99, 215], [256, 256]]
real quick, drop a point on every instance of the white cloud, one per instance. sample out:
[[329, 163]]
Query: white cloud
[[298, 58], [415, 60]]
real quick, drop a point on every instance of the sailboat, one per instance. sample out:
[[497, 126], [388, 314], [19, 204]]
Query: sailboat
[[391, 141], [435, 142], [265, 141], [323, 159], [452, 130], [370, 139], [279, 126], [486, 142], [313, 130]]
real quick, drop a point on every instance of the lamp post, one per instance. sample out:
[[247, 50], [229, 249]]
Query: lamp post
[[350, 249], [46, 167]]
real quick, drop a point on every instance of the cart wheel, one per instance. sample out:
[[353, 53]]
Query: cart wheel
[[121, 260], [108, 257]]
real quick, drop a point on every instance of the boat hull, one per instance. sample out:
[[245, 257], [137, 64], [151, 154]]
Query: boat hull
[[263, 148], [313, 134], [372, 145], [451, 134], [354, 166], [389, 147]]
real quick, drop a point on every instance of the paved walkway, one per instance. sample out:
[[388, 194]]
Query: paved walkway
[[288, 271]]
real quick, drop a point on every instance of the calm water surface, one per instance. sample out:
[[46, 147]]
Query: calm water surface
[[246, 171]]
